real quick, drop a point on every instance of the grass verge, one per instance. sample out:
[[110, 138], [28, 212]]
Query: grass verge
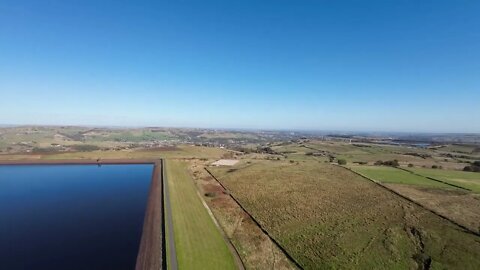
[[198, 242]]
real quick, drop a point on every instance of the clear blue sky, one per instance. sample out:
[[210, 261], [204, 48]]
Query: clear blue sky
[[317, 65]]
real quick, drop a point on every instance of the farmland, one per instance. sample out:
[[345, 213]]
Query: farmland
[[328, 217], [287, 201]]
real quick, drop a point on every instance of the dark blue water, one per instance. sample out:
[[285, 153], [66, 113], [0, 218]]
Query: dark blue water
[[72, 216]]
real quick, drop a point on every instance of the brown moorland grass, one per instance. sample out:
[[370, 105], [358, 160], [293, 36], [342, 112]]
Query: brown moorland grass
[[328, 217], [460, 206], [255, 248], [451, 201]]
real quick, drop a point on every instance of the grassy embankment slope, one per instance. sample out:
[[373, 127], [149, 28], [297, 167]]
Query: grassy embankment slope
[[328, 217], [198, 241]]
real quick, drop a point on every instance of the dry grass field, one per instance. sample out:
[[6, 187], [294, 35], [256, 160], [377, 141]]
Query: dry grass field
[[256, 250], [456, 203], [327, 217]]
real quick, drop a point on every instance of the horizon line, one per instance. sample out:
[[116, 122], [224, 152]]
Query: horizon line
[[2, 125]]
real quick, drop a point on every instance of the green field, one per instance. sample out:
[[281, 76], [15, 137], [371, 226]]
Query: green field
[[469, 180], [198, 242], [386, 174]]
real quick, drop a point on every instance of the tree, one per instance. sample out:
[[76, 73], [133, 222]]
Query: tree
[[472, 168], [342, 162], [395, 163], [392, 163]]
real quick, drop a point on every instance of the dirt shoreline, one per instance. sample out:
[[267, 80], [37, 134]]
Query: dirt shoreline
[[151, 250]]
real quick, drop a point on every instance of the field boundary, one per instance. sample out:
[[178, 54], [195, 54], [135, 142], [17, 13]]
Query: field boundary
[[256, 222], [437, 180], [467, 230]]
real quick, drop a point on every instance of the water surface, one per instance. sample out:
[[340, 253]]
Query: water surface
[[72, 216]]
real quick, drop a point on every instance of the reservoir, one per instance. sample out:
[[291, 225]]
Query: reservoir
[[72, 216]]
